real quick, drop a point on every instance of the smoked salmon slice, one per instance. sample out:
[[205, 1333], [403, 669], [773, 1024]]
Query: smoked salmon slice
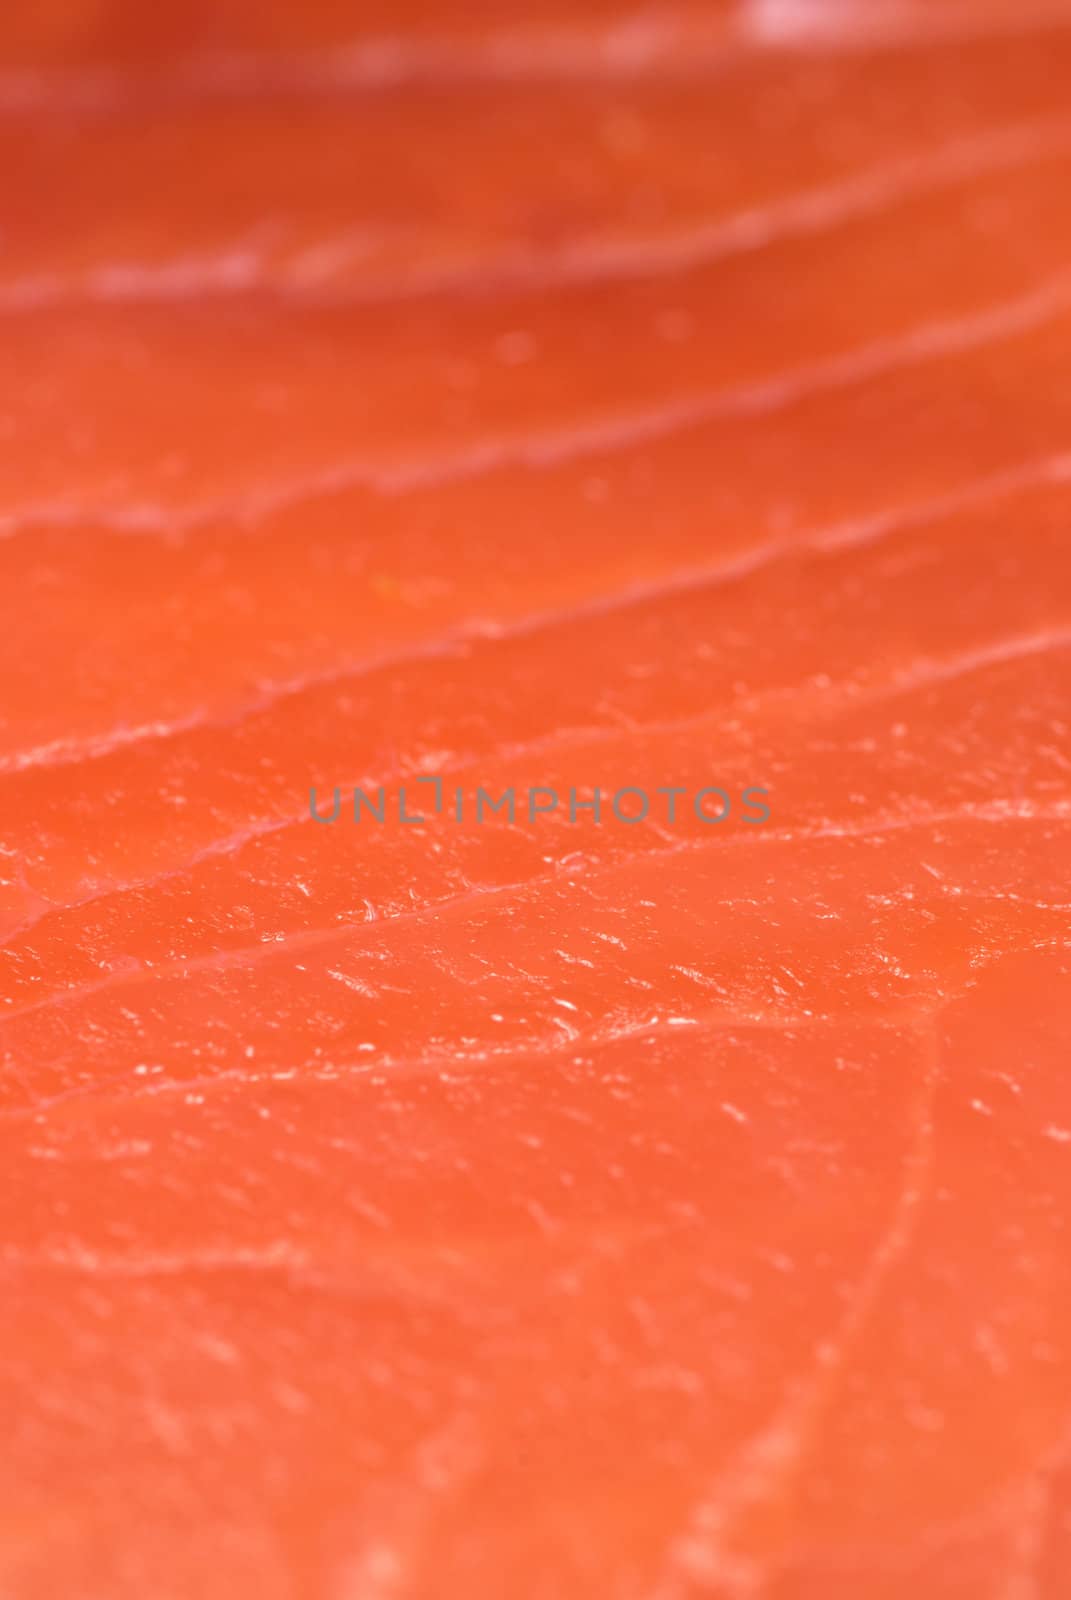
[[535, 800]]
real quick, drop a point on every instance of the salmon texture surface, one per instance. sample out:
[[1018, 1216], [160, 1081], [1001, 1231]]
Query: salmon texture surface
[[661, 1195]]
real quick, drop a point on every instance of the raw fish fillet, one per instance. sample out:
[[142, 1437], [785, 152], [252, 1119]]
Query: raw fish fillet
[[557, 396]]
